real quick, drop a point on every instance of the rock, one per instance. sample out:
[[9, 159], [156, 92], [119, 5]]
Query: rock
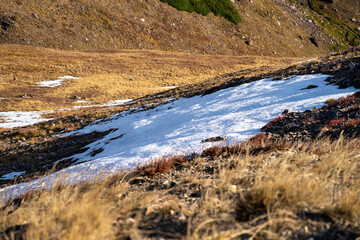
[[286, 111], [137, 181], [249, 42], [182, 217], [6, 22], [150, 210], [76, 97], [310, 87], [353, 19], [231, 188], [166, 183], [36, 16], [214, 139], [129, 221], [314, 41]]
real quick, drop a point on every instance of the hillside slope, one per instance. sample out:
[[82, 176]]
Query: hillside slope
[[269, 27]]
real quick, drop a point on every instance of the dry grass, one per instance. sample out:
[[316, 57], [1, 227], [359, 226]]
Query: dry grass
[[268, 195], [106, 75]]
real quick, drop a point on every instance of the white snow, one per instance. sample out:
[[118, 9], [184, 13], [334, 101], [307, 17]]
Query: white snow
[[108, 104], [19, 119], [169, 87], [55, 83], [81, 101], [309, 60], [11, 175], [178, 127]]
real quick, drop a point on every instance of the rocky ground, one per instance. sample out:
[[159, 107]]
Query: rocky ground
[[338, 117]]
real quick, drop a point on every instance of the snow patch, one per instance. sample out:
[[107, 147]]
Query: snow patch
[[108, 104], [11, 175], [309, 60], [180, 126], [169, 87], [55, 83], [19, 119]]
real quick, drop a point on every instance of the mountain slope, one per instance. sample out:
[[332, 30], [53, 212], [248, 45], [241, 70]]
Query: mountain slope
[[269, 27]]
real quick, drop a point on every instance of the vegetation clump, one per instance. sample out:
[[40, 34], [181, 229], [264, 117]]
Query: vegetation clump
[[286, 190], [223, 8]]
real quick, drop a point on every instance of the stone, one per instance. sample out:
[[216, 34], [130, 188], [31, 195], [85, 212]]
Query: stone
[[310, 87], [129, 221], [286, 111], [231, 188], [249, 42], [214, 139], [314, 41]]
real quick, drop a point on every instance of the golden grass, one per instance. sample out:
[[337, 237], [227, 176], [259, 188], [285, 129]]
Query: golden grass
[[258, 195], [106, 75]]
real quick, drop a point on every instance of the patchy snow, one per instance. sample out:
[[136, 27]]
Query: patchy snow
[[169, 87], [309, 60], [19, 119], [55, 83], [81, 101], [108, 104], [178, 127], [51, 83], [117, 102], [69, 77], [11, 175]]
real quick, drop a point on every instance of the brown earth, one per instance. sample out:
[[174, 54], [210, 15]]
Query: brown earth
[[269, 27]]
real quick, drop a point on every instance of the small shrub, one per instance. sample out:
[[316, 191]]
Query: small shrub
[[351, 123], [222, 8], [276, 120], [162, 165], [330, 100], [259, 138], [336, 122], [346, 99]]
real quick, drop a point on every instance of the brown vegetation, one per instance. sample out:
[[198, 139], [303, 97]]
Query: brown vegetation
[[269, 27], [304, 190], [106, 75]]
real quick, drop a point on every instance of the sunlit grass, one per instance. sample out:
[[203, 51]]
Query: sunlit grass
[[106, 75], [253, 193]]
